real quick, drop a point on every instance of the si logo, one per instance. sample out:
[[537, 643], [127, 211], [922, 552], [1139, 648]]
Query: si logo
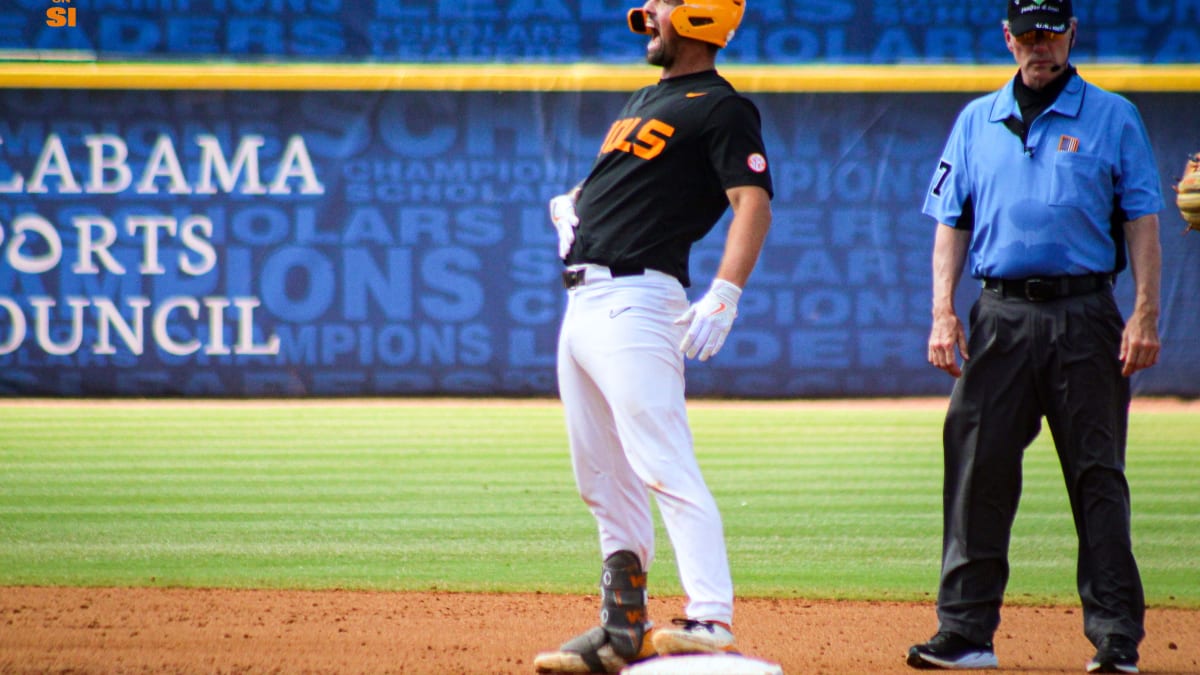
[[60, 17]]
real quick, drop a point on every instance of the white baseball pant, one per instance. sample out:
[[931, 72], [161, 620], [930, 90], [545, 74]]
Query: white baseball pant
[[621, 380]]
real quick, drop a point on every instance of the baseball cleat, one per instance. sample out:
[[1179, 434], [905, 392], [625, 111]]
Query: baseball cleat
[[590, 652], [693, 637]]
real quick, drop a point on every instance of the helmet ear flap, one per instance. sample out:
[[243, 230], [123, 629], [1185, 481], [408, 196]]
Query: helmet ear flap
[[694, 23], [637, 21], [712, 21]]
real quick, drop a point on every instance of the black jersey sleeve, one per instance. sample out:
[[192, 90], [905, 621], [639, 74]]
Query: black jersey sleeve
[[736, 146]]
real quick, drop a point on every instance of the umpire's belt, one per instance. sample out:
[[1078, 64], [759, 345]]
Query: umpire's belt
[[578, 275], [1041, 289]]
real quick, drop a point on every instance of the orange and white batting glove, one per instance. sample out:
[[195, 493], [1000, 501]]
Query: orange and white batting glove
[[562, 214], [709, 320]]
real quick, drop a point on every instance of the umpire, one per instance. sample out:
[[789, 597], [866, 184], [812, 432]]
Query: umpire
[[1040, 188]]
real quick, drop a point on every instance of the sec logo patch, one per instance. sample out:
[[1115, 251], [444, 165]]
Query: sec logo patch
[[757, 163]]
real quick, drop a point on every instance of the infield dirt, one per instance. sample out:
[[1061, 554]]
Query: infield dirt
[[145, 630]]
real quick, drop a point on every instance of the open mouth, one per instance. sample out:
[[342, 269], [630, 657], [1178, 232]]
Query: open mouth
[[642, 23], [655, 40]]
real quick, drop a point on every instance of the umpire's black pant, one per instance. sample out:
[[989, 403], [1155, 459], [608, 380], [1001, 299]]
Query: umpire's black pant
[[1056, 359]]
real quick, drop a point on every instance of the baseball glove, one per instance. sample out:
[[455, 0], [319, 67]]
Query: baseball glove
[[1187, 193]]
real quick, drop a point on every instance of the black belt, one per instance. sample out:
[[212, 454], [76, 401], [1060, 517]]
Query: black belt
[[1040, 289], [575, 277]]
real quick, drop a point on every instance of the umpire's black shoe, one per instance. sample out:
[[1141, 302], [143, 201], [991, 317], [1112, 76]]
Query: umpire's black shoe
[[952, 651], [1116, 654]]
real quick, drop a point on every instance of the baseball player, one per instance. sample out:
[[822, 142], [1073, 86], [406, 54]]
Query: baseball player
[[680, 153], [1041, 187]]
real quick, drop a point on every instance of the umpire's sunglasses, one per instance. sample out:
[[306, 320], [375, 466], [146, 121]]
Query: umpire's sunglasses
[[1033, 37]]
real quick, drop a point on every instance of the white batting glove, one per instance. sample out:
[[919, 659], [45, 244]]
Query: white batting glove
[[562, 214], [710, 320]]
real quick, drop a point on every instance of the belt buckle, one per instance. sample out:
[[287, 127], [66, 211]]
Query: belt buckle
[[1039, 290], [573, 278]]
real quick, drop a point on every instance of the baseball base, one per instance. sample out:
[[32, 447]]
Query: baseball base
[[704, 664]]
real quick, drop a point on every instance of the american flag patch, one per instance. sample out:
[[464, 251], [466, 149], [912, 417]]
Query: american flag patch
[[1068, 143]]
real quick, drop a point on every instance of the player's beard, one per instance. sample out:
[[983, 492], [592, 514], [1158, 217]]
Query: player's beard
[[660, 55]]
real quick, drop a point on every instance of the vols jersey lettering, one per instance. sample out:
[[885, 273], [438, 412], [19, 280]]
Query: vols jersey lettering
[[617, 134], [648, 143]]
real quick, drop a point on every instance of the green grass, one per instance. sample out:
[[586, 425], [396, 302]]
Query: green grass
[[819, 503]]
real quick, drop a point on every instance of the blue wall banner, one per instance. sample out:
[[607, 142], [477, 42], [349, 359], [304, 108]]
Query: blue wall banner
[[558, 31], [243, 243]]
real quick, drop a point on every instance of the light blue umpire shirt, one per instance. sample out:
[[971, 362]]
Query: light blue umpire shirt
[[1045, 207]]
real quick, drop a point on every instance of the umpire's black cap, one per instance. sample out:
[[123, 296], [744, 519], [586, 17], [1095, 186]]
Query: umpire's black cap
[[1049, 15]]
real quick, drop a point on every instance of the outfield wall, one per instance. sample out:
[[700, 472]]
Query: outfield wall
[[346, 229], [396, 243]]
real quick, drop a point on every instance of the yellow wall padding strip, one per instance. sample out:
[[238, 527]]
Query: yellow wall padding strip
[[558, 77]]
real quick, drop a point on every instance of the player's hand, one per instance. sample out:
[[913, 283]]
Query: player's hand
[[709, 320], [562, 214]]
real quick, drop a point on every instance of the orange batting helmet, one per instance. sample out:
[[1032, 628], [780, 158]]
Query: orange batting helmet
[[712, 21]]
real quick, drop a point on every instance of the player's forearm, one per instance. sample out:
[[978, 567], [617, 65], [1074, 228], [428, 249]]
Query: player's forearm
[[747, 234], [949, 257]]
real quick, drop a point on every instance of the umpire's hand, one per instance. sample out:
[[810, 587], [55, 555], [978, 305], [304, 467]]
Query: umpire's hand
[[946, 334]]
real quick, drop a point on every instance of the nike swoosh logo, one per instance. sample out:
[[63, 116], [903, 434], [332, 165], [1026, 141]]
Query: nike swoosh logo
[[614, 313], [720, 308], [696, 94]]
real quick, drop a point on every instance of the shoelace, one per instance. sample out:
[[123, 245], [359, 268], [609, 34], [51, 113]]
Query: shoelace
[[692, 624]]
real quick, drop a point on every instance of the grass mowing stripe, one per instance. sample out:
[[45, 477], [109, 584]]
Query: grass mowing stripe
[[465, 496]]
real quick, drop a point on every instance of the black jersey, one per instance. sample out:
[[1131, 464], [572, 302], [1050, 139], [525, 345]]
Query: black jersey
[[658, 185]]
